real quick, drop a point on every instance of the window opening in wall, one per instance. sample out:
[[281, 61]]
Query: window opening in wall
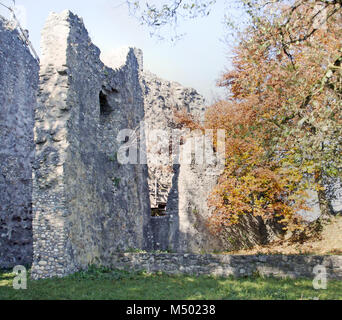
[[107, 103], [105, 108], [159, 211], [158, 208]]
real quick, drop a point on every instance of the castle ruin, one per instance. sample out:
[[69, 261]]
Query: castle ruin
[[66, 200]]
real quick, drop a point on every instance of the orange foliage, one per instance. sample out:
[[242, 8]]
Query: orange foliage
[[283, 120]]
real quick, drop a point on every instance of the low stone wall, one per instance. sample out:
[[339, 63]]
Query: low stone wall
[[283, 266]]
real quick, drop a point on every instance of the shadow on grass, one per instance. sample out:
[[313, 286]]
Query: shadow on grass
[[106, 284]]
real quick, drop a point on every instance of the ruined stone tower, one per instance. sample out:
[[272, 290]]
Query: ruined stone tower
[[86, 204]]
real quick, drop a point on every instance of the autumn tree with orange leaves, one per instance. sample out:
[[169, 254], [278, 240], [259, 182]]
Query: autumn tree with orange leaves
[[284, 117]]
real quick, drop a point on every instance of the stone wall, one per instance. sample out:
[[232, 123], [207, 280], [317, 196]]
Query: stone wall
[[289, 266], [19, 85], [189, 211], [161, 99], [183, 188], [86, 204]]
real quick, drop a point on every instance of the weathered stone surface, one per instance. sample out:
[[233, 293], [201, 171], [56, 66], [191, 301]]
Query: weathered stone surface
[[295, 266], [188, 206], [335, 196], [333, 189], [86, 204], [182, 188], [18, 89], [161, 99]]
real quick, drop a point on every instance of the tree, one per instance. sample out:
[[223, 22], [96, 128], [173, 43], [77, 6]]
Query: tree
[[283, 118], [297, 84], [168, 13]]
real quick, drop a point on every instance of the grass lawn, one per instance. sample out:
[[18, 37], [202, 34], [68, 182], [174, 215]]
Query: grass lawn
[[116, 285]]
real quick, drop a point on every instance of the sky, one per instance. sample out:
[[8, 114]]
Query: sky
[[197, 60]]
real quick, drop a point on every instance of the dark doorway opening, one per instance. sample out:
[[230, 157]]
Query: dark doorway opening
[[159, 211]]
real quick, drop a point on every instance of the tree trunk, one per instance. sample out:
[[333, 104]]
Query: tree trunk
[[324, 205], [314, 229], [323, 200]]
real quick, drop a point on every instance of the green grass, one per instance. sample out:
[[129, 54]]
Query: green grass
[[116, 285]]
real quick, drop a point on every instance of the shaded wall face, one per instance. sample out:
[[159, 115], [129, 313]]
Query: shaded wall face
[[86, 204], [18, 88]]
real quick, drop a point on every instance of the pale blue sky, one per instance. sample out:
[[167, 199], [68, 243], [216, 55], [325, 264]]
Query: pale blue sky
[[197, 60]]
